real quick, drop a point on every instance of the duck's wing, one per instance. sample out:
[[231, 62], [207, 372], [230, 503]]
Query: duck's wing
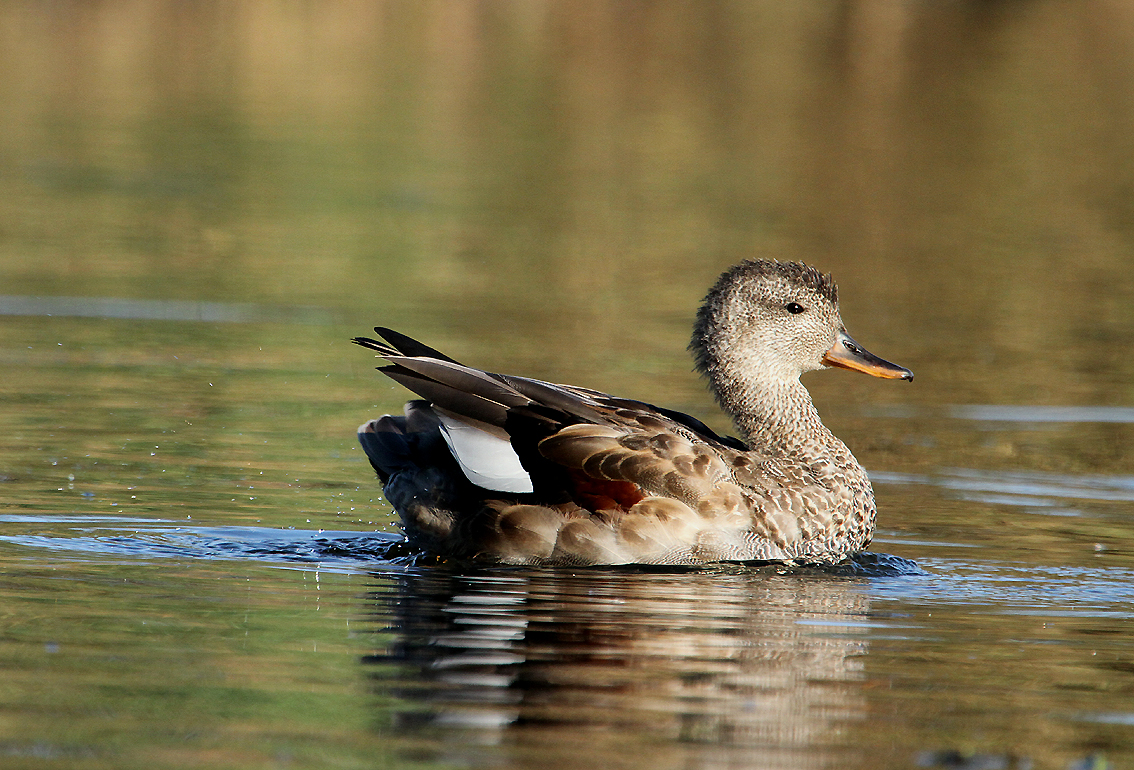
[[516, 434], [492, 423]]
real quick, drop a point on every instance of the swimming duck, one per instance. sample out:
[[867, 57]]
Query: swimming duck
[[520, 471]]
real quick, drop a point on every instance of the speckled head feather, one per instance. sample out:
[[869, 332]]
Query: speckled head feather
[[751, 272], [794, 272]]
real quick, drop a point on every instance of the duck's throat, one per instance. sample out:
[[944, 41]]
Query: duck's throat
[[779, 419]]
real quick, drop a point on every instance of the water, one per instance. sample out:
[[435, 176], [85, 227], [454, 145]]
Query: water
[[200, 205]]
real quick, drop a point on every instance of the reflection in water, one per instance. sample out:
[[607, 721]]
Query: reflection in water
[[701, 664]]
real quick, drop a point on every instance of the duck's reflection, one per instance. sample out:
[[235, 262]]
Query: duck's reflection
[[669, 668]]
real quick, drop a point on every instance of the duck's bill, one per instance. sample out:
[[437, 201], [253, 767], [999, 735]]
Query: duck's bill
[[850, 355]]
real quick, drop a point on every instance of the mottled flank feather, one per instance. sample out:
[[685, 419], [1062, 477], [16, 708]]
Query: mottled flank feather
[[607, 480]]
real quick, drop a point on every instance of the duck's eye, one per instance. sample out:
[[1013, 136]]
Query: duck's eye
[[794, 308]]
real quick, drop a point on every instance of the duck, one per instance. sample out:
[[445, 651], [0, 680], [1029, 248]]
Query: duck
[[505, 469]]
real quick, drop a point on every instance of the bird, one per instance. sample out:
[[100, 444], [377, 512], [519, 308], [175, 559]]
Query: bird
[[504, 469]]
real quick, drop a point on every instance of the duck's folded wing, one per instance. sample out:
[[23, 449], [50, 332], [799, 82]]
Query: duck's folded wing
[[658, 461], [483, 396], [505, 430], [459, 389], [485, 454], [571, 401]]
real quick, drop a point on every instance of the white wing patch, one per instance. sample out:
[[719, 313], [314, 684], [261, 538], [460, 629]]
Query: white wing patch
[[487, 460]]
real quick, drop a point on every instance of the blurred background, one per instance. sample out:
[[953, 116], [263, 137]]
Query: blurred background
[[552, 187], [567, 179], [200, 203]]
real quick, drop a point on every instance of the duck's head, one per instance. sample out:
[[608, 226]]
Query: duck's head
[[777, 320]]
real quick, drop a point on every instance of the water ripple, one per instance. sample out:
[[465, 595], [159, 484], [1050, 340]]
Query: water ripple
[[1014, 413], [342, 550], [1018, 487], [347, 550]]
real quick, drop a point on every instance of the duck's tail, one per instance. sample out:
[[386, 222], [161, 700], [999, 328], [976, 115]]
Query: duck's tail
[[398, 344]]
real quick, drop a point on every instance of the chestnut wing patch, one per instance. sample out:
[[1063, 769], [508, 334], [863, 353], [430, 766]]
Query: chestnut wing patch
[[658, 462]]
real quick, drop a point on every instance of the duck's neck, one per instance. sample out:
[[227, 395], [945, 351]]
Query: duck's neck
[[775, 415], [778, 418]]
